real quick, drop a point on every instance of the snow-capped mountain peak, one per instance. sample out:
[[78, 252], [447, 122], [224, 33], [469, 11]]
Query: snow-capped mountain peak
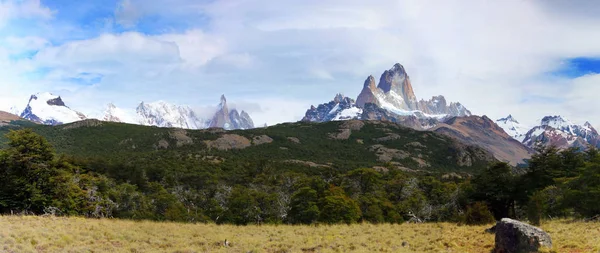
[[513, 128], [561, 132], [47, 108], [509, 118]]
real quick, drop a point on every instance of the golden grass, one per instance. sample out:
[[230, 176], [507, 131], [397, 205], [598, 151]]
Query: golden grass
[[57, 234]]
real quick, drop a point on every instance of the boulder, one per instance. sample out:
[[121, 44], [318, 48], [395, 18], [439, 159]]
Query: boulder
[[513, 236]]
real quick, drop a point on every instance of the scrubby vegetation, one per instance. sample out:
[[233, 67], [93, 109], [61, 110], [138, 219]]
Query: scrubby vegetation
[[144, 173]]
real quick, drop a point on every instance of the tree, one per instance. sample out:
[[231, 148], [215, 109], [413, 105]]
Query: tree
[[496, 186], [26, 167], [336, 207], [304, 208]]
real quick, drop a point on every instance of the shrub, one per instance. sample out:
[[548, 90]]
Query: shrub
[[478, 214]]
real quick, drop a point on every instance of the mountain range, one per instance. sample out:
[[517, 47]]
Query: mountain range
[[552, 130], [391, 99], [49, 109]]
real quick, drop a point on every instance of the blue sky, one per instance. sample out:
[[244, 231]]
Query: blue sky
[[276, 58]]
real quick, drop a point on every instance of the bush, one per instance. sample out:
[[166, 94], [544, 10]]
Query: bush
[[478, 214]]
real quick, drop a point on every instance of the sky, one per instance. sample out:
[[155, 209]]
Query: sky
[[274, 59]]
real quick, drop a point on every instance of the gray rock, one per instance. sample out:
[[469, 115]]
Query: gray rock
[[513, 236]]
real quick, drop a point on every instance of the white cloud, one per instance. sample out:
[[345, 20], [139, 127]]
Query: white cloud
[[492, 56], [13, 9]]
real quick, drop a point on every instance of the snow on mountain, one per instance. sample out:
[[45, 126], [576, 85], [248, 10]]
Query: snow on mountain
[[513, 128], [115, 114], [49, 109], [163, 114], [340, 108], [562, 133]]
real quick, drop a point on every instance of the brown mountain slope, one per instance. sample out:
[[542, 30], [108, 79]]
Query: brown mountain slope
[[482, 131], [6, 117]]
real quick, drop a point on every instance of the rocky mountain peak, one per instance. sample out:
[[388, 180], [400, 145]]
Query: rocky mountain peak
[[56, 101], [396, 79], [509, 118], [338, 97], [370, 83], [223, 100]]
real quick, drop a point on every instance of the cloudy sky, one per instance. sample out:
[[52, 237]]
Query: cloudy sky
[[275, 58]]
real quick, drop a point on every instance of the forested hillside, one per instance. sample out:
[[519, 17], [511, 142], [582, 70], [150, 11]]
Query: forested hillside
[[290, 173]]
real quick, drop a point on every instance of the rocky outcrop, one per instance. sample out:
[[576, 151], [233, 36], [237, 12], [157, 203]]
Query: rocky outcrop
[[513, 236], [229, 141], [483, 132]]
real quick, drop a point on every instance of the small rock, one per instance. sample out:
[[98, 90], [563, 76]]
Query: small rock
[[405, 244], [513, 236]]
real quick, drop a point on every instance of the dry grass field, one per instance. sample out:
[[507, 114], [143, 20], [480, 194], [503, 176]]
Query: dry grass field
[[58, 234]]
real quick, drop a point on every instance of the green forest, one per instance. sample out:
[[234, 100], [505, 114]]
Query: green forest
[[118, 171]]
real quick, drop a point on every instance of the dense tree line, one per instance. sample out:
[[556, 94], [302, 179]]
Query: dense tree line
[[34, 179]]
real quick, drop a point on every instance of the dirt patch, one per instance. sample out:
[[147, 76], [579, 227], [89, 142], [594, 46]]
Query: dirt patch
[[180, 135], [229, 141], [389, 137], [452, 175], [422, 163], [354, 125], [344, 134], [213, 159], [308, 163], [294, 140], [385, 154], [261, 139], [415, 144]]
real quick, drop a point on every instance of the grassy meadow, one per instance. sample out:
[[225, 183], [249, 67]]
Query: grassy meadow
[[60, 234]]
